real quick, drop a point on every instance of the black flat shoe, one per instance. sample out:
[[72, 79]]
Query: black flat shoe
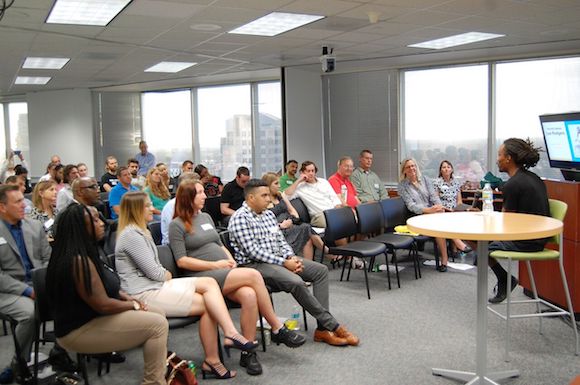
[[442, 268], [467, 249], [288, 337], [501, 294], [113, 357], [217, 370], [237, 344], [249, 360]]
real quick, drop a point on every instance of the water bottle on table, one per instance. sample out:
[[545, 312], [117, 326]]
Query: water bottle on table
[[487, 198]]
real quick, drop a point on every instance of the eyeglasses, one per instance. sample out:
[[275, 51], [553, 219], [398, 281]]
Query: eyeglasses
[[93, 186]]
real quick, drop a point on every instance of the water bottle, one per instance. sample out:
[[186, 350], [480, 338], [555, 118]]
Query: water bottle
[[487, 198], [192, 367], [343, 191], [293, 323]]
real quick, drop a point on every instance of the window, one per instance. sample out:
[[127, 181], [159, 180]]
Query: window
[[167, 127], [224, 118], [18, 127], [2, 133], [268, 134], [528, 89], [446, 118]]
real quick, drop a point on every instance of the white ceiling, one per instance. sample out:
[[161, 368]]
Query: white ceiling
[[150, 31]]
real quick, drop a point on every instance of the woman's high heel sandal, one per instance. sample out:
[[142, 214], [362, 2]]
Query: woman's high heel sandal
[[237, 344], [218, 371]]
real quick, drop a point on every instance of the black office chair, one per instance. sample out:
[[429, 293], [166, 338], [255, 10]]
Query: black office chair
[[212, 207], [43, 313], [370, 222], [155, 230], [300, 207], [341, 223]]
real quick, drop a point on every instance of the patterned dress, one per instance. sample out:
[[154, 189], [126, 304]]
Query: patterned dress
[[447, 191]]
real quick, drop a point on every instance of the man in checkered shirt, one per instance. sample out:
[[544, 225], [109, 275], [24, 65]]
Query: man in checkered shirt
[[259, 243]]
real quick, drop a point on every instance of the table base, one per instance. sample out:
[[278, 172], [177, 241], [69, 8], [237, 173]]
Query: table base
[[472, 378]]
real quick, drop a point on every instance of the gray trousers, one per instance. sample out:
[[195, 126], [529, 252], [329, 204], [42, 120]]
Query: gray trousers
[[281, 279], [22, 310]]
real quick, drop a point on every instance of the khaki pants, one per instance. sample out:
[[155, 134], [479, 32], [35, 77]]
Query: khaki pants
[[318, 220], [124, 331]]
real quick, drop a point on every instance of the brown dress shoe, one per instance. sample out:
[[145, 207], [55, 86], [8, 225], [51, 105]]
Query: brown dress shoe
[[342, 332], [329, 337]]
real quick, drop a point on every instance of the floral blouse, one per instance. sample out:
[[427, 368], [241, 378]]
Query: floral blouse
[[447, 191], [43, 217]]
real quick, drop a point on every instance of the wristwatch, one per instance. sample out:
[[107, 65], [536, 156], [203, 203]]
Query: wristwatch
[[136, 305]]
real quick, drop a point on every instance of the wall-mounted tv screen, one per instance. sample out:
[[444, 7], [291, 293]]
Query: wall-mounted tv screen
[[562, 139]]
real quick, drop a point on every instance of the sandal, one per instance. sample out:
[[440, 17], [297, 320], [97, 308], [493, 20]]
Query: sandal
[[218, 371], [238, 344], [335, 260], [357, 263]]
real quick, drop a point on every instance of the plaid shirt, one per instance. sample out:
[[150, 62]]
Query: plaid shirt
[[257, 237]]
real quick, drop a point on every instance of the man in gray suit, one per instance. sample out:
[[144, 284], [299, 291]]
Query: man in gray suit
[[23, 247]]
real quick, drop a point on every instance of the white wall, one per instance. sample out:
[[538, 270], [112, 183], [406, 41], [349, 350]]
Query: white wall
[[60, 122], [304, 140]]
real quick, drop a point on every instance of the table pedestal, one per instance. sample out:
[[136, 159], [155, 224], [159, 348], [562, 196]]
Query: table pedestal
[[481, 376]]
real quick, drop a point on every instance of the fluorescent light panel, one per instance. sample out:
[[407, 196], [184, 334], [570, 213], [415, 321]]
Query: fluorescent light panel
[[35, 80], [275, 23], [452, 41], [170, 66], [86, 12], [45, 63]]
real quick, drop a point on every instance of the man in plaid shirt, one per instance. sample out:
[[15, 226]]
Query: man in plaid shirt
[[259, 243]]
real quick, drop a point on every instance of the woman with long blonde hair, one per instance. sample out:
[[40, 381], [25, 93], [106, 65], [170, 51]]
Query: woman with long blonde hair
[[143, 277], [157, 191], [44, 205]]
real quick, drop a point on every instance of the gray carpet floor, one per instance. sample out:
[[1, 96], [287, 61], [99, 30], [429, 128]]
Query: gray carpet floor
[[404, 332]]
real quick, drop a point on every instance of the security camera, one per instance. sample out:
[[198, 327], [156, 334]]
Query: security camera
[[328, 60]]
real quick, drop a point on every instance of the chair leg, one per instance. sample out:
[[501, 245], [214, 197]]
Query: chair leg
[[388, 272], [366, 279], [568, 300], [5, 328], [418, 260], [262, 333], [343, 267], [508, 308], [396, 268], [534, 291], [305, 319], [349, 268], [82, 361]]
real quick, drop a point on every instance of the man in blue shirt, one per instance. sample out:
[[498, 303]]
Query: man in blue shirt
[[119, 190], [146, 159], [23, 247]]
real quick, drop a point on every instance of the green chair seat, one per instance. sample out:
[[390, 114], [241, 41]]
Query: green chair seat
[[543, 255]]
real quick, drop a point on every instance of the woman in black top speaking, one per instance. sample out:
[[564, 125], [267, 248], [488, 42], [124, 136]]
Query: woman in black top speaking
[[92, 315]]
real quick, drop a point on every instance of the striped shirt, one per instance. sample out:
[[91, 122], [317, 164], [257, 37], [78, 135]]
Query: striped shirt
[[137, 261], [257, 237]]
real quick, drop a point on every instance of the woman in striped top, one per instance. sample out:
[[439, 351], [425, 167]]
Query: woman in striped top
[[143, 277]]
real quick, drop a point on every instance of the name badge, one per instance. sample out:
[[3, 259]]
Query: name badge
[[48, 223], [207, 226], [377, 186], [289, 182], [2, 241]]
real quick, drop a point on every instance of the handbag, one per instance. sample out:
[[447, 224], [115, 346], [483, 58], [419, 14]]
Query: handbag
[[178, 371]]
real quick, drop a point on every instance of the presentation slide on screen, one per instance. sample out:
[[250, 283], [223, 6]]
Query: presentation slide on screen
[[563, 140]]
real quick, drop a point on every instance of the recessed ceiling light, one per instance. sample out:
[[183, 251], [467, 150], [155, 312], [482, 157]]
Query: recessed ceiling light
[[452, 41], [45, 63], [275, 23], [170, 66], [32, 80], [205, 27], [85, 12]]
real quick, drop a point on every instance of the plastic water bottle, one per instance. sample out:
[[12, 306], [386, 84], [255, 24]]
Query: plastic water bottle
[[487, 198], [192, 367], [293, 323], [343, 192]]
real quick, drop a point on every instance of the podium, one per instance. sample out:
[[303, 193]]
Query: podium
[[546, 273]]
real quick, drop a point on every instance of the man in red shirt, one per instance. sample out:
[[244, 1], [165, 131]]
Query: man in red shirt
[[341, 183]]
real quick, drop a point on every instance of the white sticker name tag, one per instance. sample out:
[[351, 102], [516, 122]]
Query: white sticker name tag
[[48, 223], [207, 226], [2, 241]]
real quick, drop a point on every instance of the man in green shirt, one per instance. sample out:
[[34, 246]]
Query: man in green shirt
[[368, 185], [287, 179]]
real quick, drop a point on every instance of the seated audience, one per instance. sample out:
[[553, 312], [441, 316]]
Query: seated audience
[[19, 182], [157, 191], [212, 185], [299, 236], [59, 176], [233, 193], [136, 180], [105, 318], [83, 170], [55, 159], [199, 252], [290, 176], [16, 264], [259, 243], [169, 209], [44, 206], [119, 190], [21, 170], [368, 185], [50, 172], [186, 167], [449, 190], [143, 277], [65, 195], [420, 198], [109, 178], [145, 158], [165, 178], [341, 181], [316, 193], [7, 168]]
